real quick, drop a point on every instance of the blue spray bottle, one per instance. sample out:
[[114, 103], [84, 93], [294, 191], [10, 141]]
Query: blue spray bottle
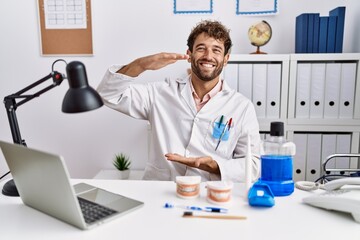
[[277, 161]]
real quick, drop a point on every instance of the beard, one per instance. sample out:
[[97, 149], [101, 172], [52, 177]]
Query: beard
[[206, 76]]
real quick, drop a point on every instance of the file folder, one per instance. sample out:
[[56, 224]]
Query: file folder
[[332, 90], [259, 88], [343, 145], [313, 159], [316, 33], [323, 30], [317, 90], [339, 12], [245, 79], [310, 35], [332, 21], [347, 90], [273, 91], [301, 33], [328, 147], [300, 140], [302, 107], [231, 76]]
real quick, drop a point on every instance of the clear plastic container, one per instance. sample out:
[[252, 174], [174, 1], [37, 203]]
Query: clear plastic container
[[277, 161], [188, 186]]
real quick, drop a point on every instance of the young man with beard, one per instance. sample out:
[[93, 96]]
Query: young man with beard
[[199, 126]]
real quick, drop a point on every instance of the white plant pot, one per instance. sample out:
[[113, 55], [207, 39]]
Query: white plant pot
[[123, 174]]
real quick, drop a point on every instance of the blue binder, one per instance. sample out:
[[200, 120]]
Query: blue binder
[[331, 34], [310, 36], [301, 33], [316, 33], [323, 29], [339, 12]]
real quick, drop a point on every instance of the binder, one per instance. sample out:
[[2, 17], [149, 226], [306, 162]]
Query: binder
[[343, 145], [301, 33], [302, 107], [231, 75], [328, 147], [339, 12], [323, 29], [347, 90], [259, 88], [245, 79], [332, 22], [299, 164], [312, 17], [313, 159], [317, 90], [332, 90], [273, 91], [316, 33], [310, 35]]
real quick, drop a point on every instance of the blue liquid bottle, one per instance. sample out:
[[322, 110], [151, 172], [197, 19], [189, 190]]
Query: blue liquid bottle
[[277, 161]]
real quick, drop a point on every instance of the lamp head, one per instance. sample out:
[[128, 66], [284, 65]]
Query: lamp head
[[80, 97]]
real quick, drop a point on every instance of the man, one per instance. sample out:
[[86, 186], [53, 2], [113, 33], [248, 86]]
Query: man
[[199, 125]]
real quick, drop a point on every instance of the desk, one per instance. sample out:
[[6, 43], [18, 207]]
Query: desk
[[288, 219]]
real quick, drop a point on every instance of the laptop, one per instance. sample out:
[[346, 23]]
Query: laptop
[[43, 183]]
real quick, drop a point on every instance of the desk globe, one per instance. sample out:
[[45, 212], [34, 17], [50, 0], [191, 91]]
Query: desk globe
[[259, 34]]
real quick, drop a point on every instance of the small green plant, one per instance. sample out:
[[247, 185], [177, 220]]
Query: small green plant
[[122, 162]]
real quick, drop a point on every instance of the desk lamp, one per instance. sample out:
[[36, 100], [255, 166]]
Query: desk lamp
[[79, 98]]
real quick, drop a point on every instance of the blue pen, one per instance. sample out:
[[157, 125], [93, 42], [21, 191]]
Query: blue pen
[[196, 208], [221, 119], [216, 209], [221, 136], [208, 209]]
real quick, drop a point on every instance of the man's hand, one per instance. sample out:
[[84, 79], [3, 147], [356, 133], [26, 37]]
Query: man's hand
[[204, 163], [152, 62]]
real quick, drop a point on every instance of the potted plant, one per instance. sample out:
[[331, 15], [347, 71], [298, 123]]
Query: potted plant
[[122, 163]]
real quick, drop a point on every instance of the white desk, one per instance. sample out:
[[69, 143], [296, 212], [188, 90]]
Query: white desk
[[288, 219]]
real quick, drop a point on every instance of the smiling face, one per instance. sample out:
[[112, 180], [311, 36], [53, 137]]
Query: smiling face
[[207, 57]]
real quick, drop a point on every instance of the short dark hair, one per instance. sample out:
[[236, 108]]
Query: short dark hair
[[213, 29]]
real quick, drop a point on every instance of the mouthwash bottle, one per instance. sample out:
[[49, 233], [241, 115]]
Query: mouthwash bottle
[[277, 161]]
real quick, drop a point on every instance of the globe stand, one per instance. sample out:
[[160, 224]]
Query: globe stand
[[258, 51]]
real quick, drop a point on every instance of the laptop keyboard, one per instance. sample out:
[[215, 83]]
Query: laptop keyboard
[[93, 212]]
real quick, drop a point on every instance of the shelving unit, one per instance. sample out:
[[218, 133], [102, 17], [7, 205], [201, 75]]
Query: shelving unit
[[343, 124], [232, 73]]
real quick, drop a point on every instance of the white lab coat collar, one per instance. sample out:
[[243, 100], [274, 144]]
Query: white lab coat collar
[[186, 91]]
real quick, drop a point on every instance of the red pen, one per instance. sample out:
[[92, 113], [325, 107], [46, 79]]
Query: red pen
[[229, 125]]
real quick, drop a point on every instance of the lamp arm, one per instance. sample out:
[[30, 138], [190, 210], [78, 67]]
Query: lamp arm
[[11, 104]]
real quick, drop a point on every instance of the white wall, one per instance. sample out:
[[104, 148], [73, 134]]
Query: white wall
[[122, 31]]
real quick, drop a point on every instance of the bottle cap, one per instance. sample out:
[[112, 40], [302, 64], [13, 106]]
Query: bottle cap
[[277, 129]]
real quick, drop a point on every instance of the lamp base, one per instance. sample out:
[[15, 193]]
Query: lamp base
[[10, 189]]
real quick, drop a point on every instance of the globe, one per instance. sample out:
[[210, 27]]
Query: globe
[[259, 34]]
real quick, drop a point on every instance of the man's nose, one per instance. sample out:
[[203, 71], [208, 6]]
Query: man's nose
[[207, 54]]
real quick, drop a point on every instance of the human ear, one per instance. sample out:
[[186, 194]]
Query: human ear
[[226, 59], [188, 52]]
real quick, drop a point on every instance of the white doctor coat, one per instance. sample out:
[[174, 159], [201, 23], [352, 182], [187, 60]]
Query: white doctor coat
[[177, 127]]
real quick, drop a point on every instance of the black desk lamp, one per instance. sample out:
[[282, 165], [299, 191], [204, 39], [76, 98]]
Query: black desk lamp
[[79, 98]]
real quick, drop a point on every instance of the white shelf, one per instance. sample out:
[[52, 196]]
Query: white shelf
[[336, 125]]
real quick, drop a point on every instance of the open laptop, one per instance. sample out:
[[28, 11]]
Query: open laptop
[[43, 183]]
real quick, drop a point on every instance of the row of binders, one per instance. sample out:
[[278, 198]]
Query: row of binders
[[313, 149], [325, 90], [259, 82], [320, 34]]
